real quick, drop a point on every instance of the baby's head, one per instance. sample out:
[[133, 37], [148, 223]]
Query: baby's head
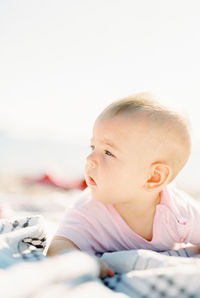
[[138, 147]]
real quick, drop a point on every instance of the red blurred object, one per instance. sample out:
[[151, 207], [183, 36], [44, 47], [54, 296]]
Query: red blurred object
[[68, 184]]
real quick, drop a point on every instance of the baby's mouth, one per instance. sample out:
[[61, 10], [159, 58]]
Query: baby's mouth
[[91, 181]]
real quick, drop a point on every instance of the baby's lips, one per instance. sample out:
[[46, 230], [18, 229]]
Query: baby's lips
[[91, 180]]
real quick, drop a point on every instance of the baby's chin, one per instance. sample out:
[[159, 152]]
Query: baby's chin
[[101, 197]]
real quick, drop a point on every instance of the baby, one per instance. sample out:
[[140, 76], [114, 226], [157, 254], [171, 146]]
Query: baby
[[138, 148]]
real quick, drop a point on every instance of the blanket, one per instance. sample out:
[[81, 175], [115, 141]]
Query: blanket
[[25, 270]]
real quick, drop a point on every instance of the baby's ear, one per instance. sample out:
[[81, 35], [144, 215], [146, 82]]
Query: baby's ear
[[159, 175]]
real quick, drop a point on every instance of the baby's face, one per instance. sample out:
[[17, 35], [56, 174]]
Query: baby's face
[[117, 167]]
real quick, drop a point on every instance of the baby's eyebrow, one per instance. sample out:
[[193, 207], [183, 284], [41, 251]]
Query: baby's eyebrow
[[107, 142]]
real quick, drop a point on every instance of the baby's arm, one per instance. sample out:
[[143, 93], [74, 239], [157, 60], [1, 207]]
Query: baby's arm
[[59, 244]]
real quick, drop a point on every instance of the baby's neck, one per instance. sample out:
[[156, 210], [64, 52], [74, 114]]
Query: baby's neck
[[140, 216], [139, 208]]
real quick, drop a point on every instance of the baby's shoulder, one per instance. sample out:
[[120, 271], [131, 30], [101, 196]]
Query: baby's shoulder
[[181, 203]]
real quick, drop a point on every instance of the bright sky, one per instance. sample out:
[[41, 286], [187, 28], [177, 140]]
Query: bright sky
[[62, 62]]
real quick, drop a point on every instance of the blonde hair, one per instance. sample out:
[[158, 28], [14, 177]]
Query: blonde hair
[[174, 125]]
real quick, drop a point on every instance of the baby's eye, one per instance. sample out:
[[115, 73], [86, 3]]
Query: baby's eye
[[108, 153]]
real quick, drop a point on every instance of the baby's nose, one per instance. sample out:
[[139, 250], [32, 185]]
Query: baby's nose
[[91, 162]]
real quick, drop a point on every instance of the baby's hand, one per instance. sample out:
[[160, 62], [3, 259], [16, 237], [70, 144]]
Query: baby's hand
[[105, 270]]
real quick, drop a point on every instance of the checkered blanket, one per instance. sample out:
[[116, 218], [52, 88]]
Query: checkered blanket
[[26, 272], [143, 273]]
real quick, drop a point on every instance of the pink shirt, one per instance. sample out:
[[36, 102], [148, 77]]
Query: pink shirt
[[96, 227]]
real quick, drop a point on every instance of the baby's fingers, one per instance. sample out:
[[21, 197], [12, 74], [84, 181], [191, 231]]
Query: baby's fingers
[[110, 272], [105, 270]]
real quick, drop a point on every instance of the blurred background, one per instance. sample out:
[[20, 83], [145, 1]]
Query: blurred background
[[62, 62]]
